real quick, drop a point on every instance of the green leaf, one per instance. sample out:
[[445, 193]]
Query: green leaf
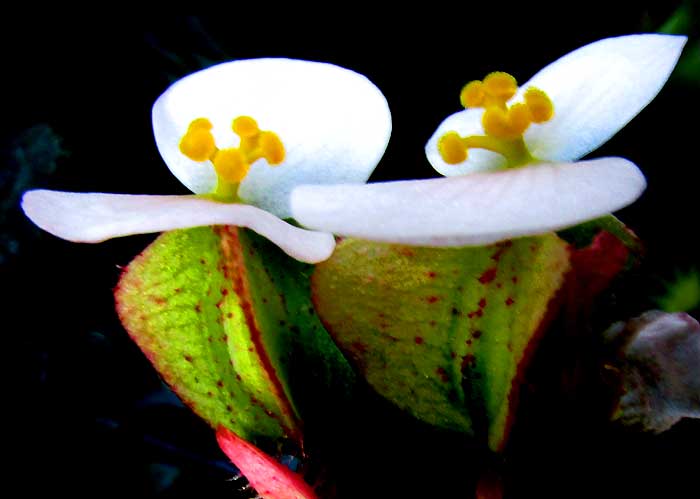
[[443, 333], [311, 367], [219, 311]]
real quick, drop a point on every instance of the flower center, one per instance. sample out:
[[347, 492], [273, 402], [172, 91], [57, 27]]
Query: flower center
[[231, 164], [504, 125]]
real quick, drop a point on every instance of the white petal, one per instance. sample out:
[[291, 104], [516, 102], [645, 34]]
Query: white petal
[[597, 90], [95, 217], [465, 123], [334, 124], [473, 209]]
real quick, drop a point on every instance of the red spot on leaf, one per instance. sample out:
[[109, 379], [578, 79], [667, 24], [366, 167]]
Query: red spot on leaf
[[502, 247], [488, 276], [220, 383], [431, 274], [406, 252], [418, 340], [432, 299], [198, 307], [188, 358], [476, 334], [468, 361], [443, 374], [476, 313], [509, 301], [482, 303], [514, 279], [359, 346]]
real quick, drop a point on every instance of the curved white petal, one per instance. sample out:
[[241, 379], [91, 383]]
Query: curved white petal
[[334, 124], [473, 209], [597, 89], [95, 217], [467, 122]]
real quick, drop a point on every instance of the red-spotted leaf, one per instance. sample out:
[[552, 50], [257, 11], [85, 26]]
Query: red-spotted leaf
[[269, 478], [443, 333], [219, 311]]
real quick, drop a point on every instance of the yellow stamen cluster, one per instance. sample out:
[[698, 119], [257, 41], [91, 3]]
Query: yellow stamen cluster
[[504, 125], [232, 164]]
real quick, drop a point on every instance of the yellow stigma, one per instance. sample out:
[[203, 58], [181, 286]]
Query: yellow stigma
[[509, 124], [231, 164], [504, 125]]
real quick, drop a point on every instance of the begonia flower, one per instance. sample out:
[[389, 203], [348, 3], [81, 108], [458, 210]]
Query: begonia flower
[[240, 135], [511, 155]]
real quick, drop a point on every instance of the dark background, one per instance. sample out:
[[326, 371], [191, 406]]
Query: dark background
[[88, 414]]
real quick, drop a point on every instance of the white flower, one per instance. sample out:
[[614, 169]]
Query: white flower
[[331, 125], [525, 184]]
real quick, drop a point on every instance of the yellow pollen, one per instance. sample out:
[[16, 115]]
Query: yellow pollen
[[245, 126], [232, 164], [504, 125], [452, 148], [500, 85], [541, 107], [472, 94], [271, 148], [200, 124], [198, 143]]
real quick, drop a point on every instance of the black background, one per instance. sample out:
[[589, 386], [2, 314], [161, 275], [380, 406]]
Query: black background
[[87, 412]]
